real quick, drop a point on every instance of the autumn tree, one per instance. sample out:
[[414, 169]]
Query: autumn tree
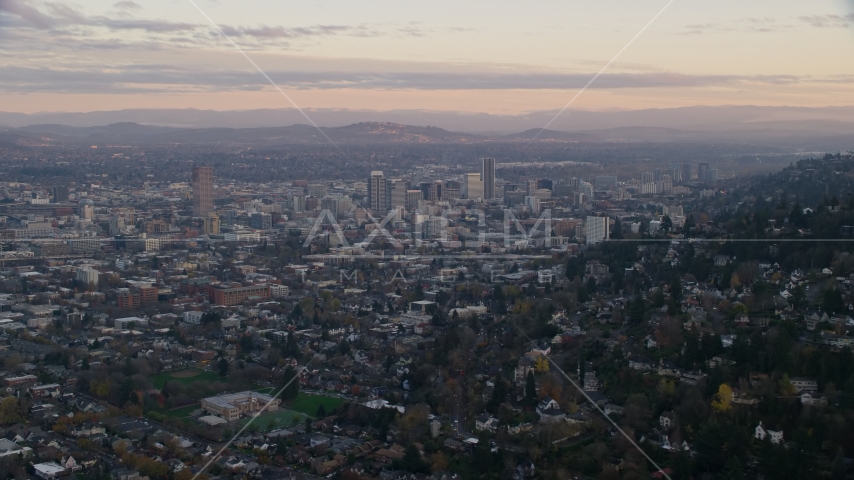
[[10, 411], [723, 399], [100, 388], [542, 364], [439, 461]]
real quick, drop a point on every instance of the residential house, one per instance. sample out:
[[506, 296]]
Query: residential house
[[486, 422], [762, 432], [813, 399], [666, 419]]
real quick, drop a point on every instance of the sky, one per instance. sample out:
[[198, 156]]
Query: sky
[[496, 56]]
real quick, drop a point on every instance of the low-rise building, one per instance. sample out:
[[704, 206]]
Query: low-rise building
[[232, 406]]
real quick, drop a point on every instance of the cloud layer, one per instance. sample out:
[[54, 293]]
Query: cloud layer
[[168, 78]]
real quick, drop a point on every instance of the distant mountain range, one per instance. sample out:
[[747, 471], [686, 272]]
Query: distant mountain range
[[824, 129]]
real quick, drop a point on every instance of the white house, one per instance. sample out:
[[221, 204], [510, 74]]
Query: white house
[[193, 317], [775, 436], [549, 411], [813, 399], [804, 384], [486, 422], [666, 419], [591, 383]]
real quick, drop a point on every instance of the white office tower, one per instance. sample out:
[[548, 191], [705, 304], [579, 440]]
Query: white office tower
[[587, 189], [597, 229], [474, 186], [87, 275], [413, 197], [298, 202], [488, 178], [87, 209], [377, 191], [398, 193]]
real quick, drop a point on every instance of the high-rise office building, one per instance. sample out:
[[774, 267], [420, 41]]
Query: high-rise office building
[[317, 190], [398, 192], [261, 221], [530, 186], [332, 205], [488, 178], [509, 187], [450, 190], [211, 224], [377, 191], [432, 191], [647, 177], [413, 196], [545, 184], [686, 172], [474, 186], [202, 191], [514, 197], [702, 172], [587, 189], [298, 202], [59, 194], [597, 229], [86, 209]]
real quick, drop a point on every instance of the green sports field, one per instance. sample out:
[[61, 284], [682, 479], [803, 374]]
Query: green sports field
[[276, 420], [185, 377], [308, 403], [182, 412]]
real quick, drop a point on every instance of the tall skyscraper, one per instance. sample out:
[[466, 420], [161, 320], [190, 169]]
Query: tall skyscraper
[[86, 209], [474, 186], [211, 224], [59, 194], [647, 177], [488, 178], [377, 191], [413, 196], [298, 202], [432, 191], [451, 190], [398, 192], [702, 172], [202, 191]]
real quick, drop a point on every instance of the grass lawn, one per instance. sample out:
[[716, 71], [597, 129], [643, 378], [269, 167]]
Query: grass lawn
[[184, 376], [278, 419], [182, 412], [307, 403]]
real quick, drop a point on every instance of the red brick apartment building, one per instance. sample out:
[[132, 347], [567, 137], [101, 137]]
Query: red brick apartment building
[[137, 297], [222, 295]]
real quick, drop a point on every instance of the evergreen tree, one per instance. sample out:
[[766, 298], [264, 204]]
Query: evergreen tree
[[617, 234], [222, 367], [832, 302], [637, 309], [411, 461], [499, 393], [530, 386]]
